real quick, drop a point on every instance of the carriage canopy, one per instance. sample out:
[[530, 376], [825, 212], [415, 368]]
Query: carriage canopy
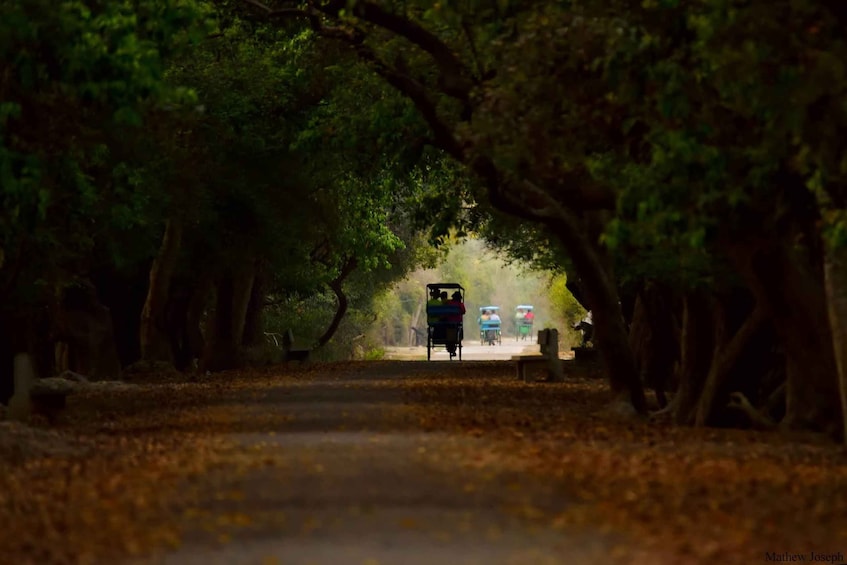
[[445, 286]]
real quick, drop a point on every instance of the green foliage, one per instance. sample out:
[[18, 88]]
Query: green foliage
[[77, 72], [568, 309]]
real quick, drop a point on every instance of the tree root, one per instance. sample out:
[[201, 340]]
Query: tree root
[[666, 412], [758, 420]]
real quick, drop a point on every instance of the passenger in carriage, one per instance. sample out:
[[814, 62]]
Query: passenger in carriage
[[455, 300], [434, 300]]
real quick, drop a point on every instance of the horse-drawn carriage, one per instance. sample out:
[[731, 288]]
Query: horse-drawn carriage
[[523, 322], [444, 314], [489, 325]]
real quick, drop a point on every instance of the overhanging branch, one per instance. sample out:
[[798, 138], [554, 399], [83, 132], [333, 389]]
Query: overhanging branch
[[539, 204], [443, 135], [456, 79]]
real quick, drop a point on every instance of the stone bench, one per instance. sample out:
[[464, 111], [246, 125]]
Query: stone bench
[[548, 342], [44, 397], [585, 354]]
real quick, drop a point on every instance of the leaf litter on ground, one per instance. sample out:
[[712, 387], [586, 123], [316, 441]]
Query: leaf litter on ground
[[110, 480], [698, 495]]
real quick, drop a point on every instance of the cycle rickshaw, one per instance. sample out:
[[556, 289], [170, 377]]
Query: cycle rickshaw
[[523, 322], [444, 318], [489, 330]]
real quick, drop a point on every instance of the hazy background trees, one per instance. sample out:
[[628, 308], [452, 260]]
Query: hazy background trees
[[489, 280]]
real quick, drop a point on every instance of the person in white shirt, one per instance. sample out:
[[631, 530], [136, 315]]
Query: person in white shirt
[[586, 326]]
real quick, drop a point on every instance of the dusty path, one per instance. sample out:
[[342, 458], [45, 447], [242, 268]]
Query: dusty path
[[351, 479], [398, 462], [471, 351]]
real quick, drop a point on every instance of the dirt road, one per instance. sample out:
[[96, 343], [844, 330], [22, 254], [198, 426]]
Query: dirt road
[[405, 462], [351, 479], [471, 351]]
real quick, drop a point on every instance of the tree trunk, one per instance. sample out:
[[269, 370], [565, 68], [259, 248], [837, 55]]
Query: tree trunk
[[223, 348], [220, 353], [9, 346], [835, 278], [413, 325], [610, 333], [337, 287], [788, 285], [695, 354], [253, 324], [726, 355], [243, 282], [155, 343], [592, 266], [194, 317], [653, 338], [177, 318], [124, 294]]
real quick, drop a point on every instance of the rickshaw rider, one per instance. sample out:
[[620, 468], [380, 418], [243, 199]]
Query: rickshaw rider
[[492, 334]]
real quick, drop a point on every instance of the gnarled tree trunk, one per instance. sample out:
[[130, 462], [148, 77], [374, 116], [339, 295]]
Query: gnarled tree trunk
[[727, 351], [610, 333], [789, 286], [337, 287]]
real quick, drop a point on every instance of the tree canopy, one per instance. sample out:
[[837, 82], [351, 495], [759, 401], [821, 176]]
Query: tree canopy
[[682, 163]]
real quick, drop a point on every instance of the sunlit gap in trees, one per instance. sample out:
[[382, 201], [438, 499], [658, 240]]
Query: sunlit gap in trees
[[489, 279]]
